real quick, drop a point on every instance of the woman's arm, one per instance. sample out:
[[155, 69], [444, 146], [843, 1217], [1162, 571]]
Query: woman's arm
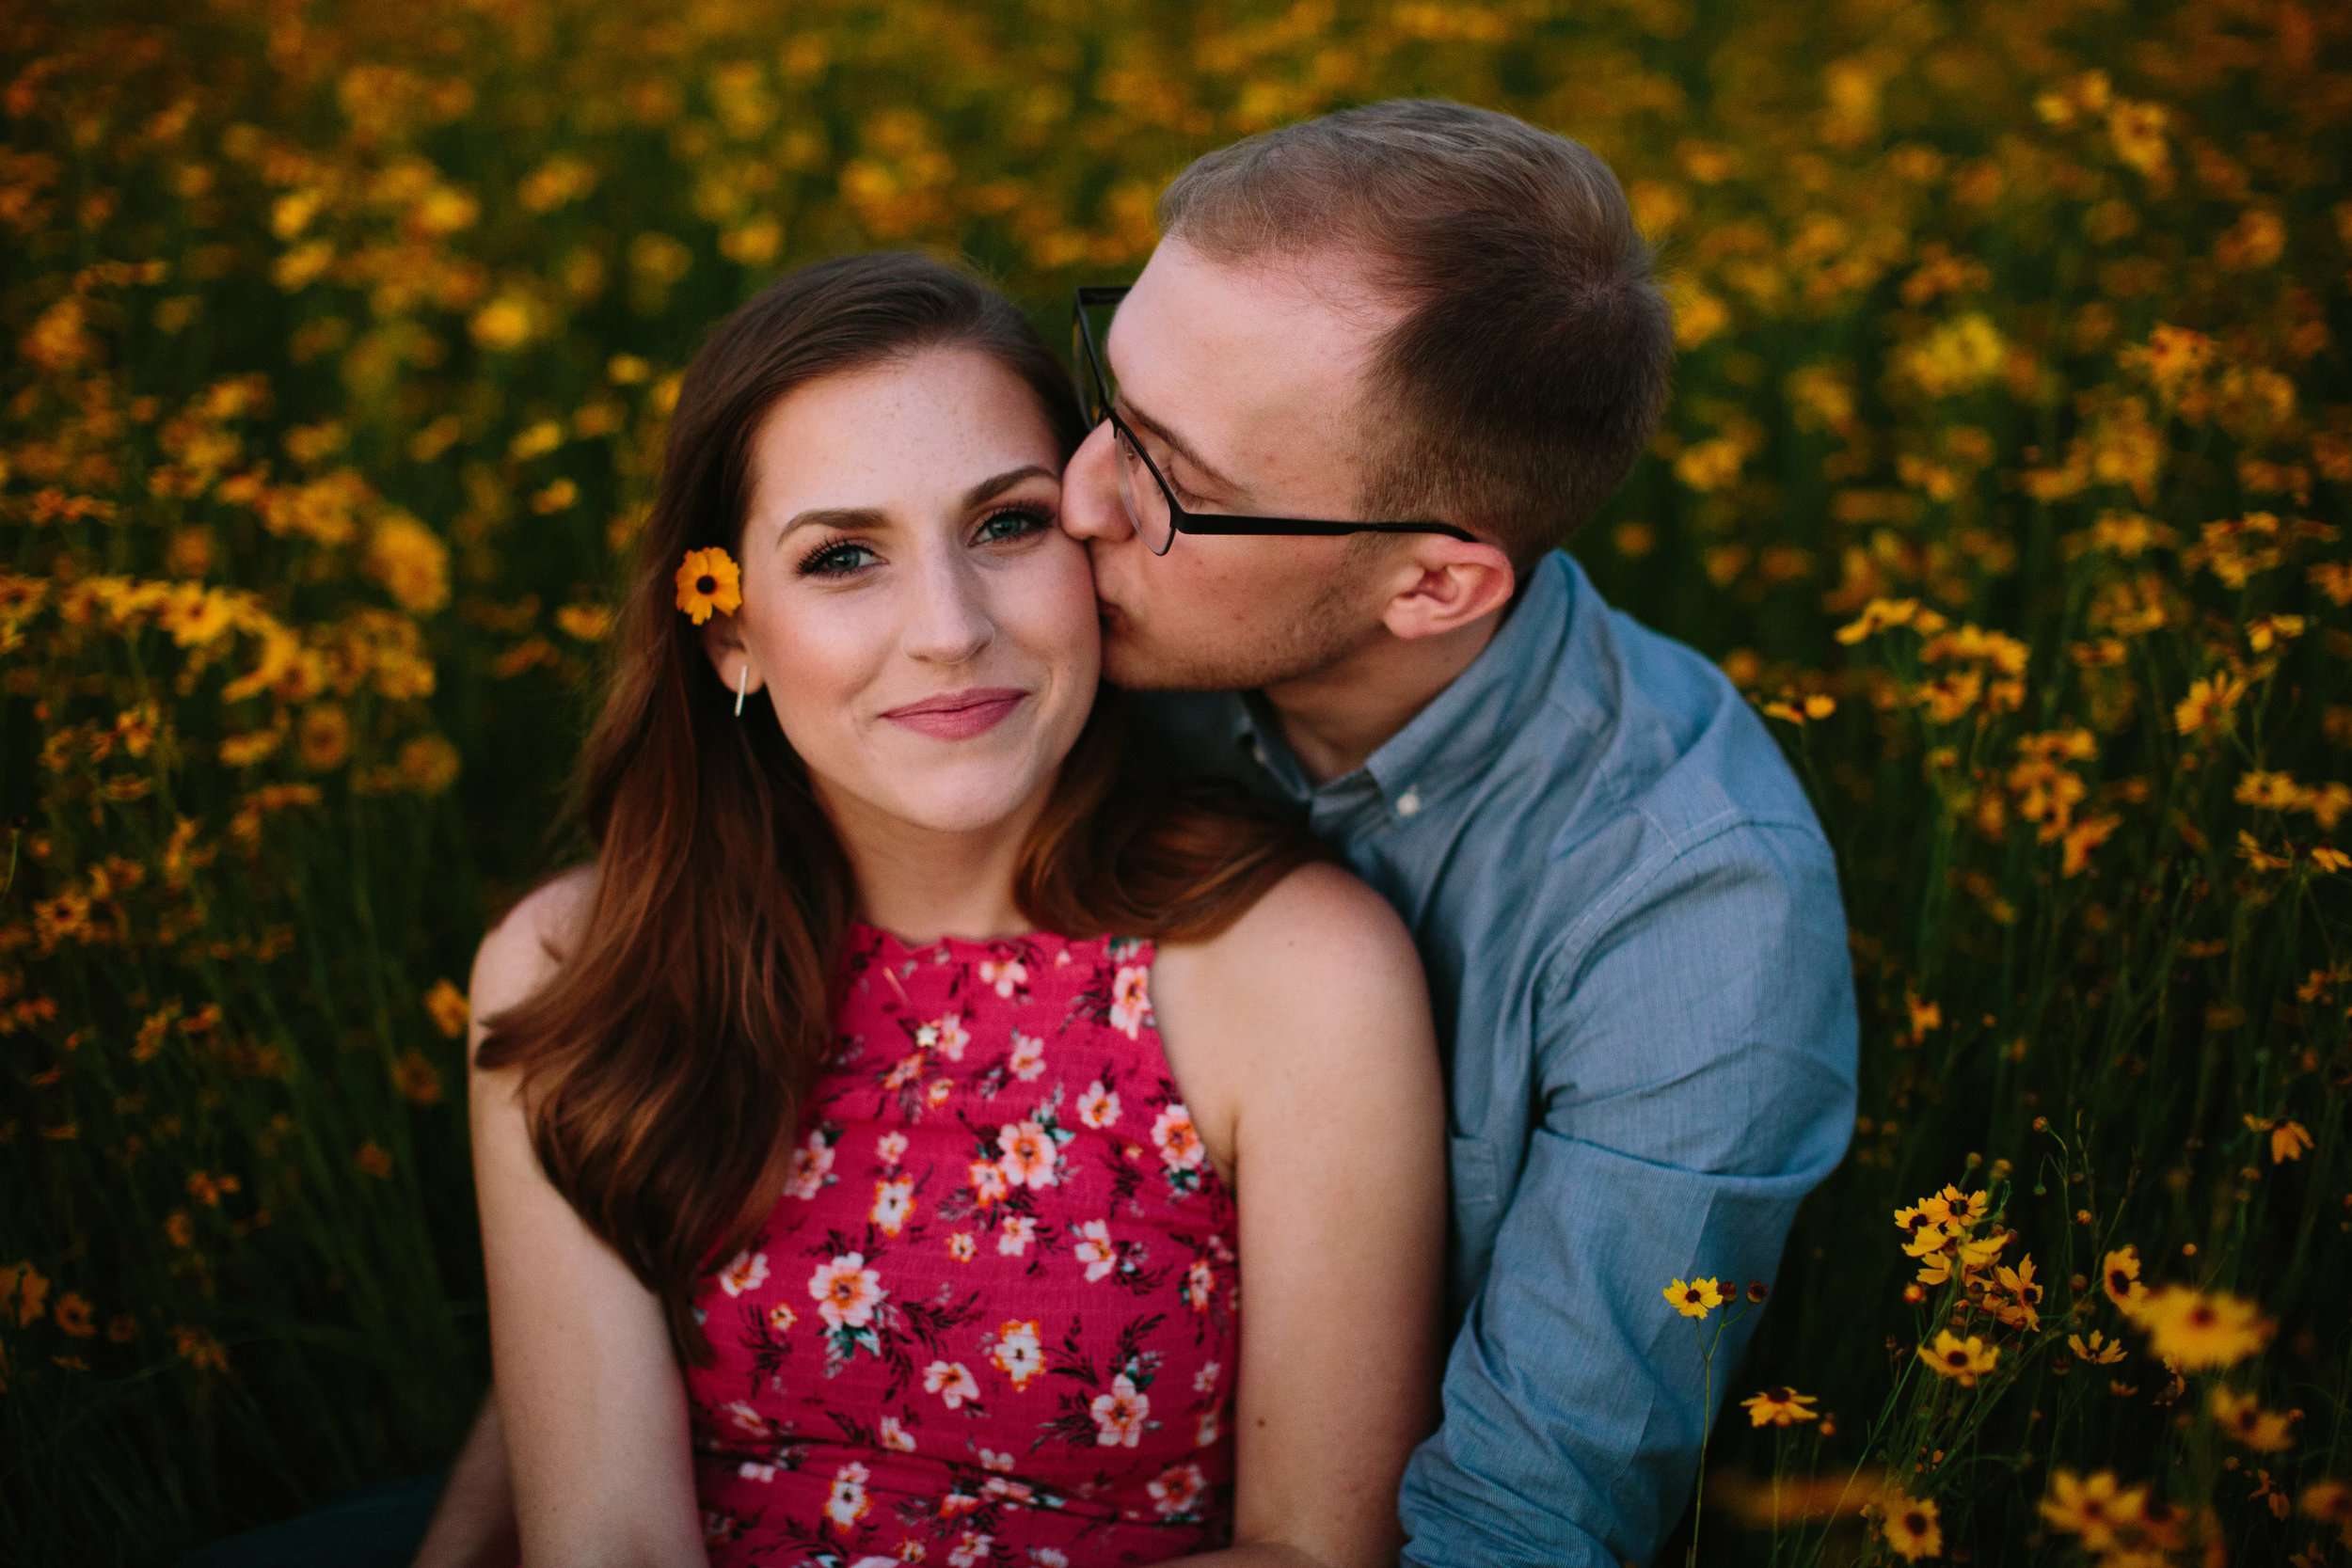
[[1303, 1043], [590, 1397], [473, 1524]]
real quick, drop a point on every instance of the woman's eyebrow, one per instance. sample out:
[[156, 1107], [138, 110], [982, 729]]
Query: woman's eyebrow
[[831, 517], [868, 516], [988, 489]]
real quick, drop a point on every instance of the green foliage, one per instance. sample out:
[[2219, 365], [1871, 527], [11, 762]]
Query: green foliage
[[341, 341]]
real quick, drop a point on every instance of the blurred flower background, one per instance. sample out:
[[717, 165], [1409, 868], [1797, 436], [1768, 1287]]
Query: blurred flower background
[[2006, 471]]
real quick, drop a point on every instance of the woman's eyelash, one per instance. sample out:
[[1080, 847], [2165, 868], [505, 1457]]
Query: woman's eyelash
[[1030, 511], [832, 557]]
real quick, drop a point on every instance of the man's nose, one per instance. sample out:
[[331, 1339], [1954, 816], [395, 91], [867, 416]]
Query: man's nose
[[1091, 507], [950, 622]]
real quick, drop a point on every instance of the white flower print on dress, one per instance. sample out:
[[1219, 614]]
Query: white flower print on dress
[[1031, 1154], [812, 1166], [952, 1382], [745, 1270], [1045, 1557], [1199, 1284], [895, 1436], [937, 1092], [1178, 1490], [781, 1318], [987, 1183], [1097, 1107], [1118, 1415], [1096, 1250], [948, 1036], [1029, 1056], [960, 1246], [1205, 1379], [1180, 1143], [1007, 977], [890, 1148], [753, 1470], [1206, 1435], [971, 1549], [848, 1502], [992, 1460], [1131, 1000], [748, 1418], [846, 1291], [1014, 1236], [1017, 1352], [894, 1200]]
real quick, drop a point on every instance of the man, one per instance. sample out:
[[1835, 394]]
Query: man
[[1440, 320]]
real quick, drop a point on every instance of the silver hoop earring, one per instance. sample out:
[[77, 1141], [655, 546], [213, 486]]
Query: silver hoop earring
[[742, 672]]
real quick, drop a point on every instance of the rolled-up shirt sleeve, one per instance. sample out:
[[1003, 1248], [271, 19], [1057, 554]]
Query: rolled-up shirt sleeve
[[1696, 1057]]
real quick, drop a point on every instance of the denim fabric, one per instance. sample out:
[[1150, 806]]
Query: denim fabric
[[1637, 952]]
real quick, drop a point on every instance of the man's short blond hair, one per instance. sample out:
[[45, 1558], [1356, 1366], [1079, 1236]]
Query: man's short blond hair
[[1532, 364]]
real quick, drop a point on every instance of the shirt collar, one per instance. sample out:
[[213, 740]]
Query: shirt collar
[[1462, 729]]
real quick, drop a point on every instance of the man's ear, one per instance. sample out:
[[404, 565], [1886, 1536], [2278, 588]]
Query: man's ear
[[1446, 584], [722, 639]]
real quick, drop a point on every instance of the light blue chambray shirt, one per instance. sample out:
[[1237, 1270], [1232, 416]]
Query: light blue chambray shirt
[[1637, 955]]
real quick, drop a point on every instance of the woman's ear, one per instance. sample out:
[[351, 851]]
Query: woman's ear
[[1446, 584], [722, 639]]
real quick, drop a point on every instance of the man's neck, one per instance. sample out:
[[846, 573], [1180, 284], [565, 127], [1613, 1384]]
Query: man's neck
[[1340, 714]]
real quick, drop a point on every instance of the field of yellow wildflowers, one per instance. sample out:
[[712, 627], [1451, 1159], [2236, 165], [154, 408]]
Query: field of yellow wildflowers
[[2007, 471]]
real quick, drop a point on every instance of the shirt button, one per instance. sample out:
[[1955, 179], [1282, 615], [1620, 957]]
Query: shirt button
[[1407, 803]]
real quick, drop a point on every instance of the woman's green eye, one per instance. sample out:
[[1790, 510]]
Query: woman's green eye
[[1014, 523], [836, 559]]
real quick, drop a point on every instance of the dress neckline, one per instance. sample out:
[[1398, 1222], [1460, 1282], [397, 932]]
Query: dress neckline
[[864, 933]]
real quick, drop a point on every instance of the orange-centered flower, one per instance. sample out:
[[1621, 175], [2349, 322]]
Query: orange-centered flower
[[708, 580]]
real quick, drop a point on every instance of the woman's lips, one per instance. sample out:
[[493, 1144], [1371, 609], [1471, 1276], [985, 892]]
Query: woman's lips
[[959, 715]]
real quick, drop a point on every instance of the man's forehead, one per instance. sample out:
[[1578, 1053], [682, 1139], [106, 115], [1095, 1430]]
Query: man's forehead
[[1219, 349]]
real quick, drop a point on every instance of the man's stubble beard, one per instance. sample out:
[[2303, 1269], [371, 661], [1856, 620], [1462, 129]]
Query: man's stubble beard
[[1301, 640]]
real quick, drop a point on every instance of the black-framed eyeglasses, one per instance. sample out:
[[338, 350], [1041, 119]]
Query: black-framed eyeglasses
[[1153, 509]]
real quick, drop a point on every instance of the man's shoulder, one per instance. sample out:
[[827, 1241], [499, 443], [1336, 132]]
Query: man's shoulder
[[1667, 746]]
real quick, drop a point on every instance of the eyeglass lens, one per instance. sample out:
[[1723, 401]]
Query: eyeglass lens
[[1138, 490]]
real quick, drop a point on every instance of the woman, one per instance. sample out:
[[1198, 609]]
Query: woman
[[871, 1142]]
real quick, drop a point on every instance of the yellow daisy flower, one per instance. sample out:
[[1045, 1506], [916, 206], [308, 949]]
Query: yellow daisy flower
[[2091, 1506], [708, 580], [1779, 1408], [2242, 1419], [2193, 1329], [1911, 1528], [1965, 1359], [2120, 1273], [1697, 1298]]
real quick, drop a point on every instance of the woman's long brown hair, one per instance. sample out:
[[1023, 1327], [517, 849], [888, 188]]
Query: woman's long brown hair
[[665, 1059]]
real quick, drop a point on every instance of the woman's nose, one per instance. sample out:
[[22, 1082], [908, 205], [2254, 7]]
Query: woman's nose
[[1091, 507], [950, 622]]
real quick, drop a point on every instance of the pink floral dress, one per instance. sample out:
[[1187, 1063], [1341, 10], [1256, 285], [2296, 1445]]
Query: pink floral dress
[[992, 1319]]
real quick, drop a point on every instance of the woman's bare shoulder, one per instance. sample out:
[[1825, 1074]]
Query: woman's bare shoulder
[[1320, 916], [532, 939], [1318, 943]]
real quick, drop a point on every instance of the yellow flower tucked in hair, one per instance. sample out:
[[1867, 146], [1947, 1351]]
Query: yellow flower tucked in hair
[[2194, 1330], [1965, 1359], [1910, 1527], [708, 580], [1779, 1408], [1697, 1298]]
